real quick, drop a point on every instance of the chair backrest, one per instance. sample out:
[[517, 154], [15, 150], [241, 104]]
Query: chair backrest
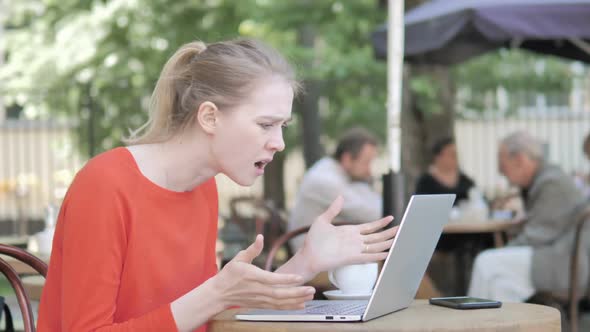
[[281, 241], [250, 216], [582, 220], [15, 282]]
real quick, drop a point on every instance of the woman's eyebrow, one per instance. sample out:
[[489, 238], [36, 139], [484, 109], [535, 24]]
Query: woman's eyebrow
[[275, 118]]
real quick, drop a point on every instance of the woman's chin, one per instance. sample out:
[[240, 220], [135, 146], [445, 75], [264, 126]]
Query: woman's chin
[[244, 181]]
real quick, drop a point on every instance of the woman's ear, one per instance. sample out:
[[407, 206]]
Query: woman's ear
[[207, 116]]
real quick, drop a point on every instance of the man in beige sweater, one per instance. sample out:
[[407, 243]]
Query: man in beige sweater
[[346, 173]]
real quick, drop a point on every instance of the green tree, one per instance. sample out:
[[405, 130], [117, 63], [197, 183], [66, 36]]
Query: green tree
[[520, 73], [98, 60]]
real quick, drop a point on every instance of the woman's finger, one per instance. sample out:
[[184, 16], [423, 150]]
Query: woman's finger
[[373, 226], [268, 304], [369, 258], [292, 301], [279, 293], [381, 236], [263, 301], [293, 304], [247, 255], [332, 211], [254, 273], [378, 247]]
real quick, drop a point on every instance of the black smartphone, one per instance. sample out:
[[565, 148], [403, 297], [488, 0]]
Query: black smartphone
[[465, 302]]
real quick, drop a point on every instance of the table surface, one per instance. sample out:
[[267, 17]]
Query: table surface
[[419, 317]]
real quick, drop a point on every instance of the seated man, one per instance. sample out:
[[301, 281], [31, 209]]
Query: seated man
[[347, 173], [537, 258]]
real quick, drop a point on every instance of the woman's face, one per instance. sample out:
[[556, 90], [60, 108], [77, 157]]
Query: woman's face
[[247, 136], [447, 158]]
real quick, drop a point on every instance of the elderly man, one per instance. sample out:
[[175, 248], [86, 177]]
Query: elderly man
[[537, 258], [347, 173]]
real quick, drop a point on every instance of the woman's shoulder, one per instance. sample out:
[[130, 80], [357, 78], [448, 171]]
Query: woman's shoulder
[[426, 177], [111, 166], [465, 179]]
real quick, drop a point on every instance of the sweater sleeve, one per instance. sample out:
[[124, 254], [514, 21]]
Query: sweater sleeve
[[94, 248], [547, 216]]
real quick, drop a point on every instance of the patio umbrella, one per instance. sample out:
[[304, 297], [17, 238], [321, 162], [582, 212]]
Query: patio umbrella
[[448, 32]]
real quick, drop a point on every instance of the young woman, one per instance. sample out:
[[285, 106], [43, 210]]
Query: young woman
[[134, 248]]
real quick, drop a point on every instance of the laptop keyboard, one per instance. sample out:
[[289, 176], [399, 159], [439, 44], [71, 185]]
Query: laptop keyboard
[[337, 308]]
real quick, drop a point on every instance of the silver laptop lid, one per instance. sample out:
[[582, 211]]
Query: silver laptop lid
[[412, 248]]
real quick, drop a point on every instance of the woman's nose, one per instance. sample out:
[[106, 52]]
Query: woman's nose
[[276, 142]]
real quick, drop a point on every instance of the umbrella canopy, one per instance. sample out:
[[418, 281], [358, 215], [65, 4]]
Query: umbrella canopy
[[448, 32]]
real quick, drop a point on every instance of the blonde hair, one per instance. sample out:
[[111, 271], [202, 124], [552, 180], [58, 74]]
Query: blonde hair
[[223, 73]]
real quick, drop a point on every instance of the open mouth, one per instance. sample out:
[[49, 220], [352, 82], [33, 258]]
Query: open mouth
[[261, 164]]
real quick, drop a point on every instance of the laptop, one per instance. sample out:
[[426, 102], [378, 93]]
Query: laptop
[[399, 279]]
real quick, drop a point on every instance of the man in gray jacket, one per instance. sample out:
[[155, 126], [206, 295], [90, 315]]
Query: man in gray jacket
[[537, 258], [346, 173]]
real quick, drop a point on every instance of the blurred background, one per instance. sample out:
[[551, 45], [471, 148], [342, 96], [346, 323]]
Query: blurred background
[[76, 75]]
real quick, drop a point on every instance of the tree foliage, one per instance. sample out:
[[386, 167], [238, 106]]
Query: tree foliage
[[70, 58], [519, 74]]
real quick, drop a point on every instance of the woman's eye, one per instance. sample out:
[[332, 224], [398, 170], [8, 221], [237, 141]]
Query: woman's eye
[[284, 125], [266, 125]]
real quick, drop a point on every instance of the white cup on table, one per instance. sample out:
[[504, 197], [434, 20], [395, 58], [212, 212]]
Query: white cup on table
[[355, 279]]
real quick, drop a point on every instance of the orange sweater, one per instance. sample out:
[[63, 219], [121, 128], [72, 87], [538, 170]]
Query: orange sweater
[[125, 248]]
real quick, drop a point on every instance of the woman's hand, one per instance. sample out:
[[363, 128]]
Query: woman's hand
[[240, 283], [327, 246]]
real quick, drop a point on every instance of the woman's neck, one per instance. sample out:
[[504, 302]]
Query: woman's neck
[[176, 164], [449, 177]]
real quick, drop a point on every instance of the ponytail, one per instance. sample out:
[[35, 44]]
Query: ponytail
[[163, 102]]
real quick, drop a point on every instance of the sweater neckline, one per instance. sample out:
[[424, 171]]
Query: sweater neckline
[[149, 183]]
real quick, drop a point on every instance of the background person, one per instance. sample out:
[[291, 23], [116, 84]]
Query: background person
[[444, 175], [348, 173], [538, 257]]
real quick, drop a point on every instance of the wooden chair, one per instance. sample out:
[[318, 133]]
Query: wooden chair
[[281, 242], [570, 303], [250, 216], [574, 297], [15, 281]]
